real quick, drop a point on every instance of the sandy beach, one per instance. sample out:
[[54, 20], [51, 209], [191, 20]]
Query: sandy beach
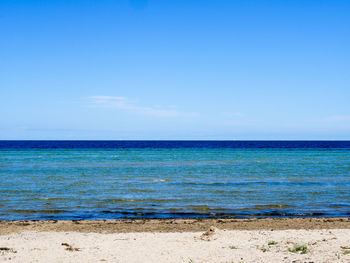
[[180, 240]]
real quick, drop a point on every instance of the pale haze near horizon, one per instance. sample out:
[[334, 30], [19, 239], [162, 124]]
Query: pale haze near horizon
[[174, 69]]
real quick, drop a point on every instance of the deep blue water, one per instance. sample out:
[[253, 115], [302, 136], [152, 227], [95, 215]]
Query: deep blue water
[[162, 179], [171, 144]]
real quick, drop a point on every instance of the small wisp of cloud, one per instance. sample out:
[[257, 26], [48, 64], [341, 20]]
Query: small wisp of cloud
[[236, 115], [338, 118], [126, 104]]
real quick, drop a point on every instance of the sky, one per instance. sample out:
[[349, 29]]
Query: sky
[[184, 69]]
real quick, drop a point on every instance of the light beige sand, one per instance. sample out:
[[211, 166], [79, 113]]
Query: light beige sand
[[219, 245]]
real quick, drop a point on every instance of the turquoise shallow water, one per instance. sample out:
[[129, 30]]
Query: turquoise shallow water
[[173, 182]]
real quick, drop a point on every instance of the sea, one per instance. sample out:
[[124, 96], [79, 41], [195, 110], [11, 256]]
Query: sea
[[42, 180]]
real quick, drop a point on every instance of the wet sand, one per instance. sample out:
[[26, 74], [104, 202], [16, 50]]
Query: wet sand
[[173, 225]]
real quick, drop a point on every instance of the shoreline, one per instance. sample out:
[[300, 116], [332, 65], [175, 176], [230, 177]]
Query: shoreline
[[173, 225]]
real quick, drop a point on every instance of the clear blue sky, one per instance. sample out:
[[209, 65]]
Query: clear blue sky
[[184, 69]]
